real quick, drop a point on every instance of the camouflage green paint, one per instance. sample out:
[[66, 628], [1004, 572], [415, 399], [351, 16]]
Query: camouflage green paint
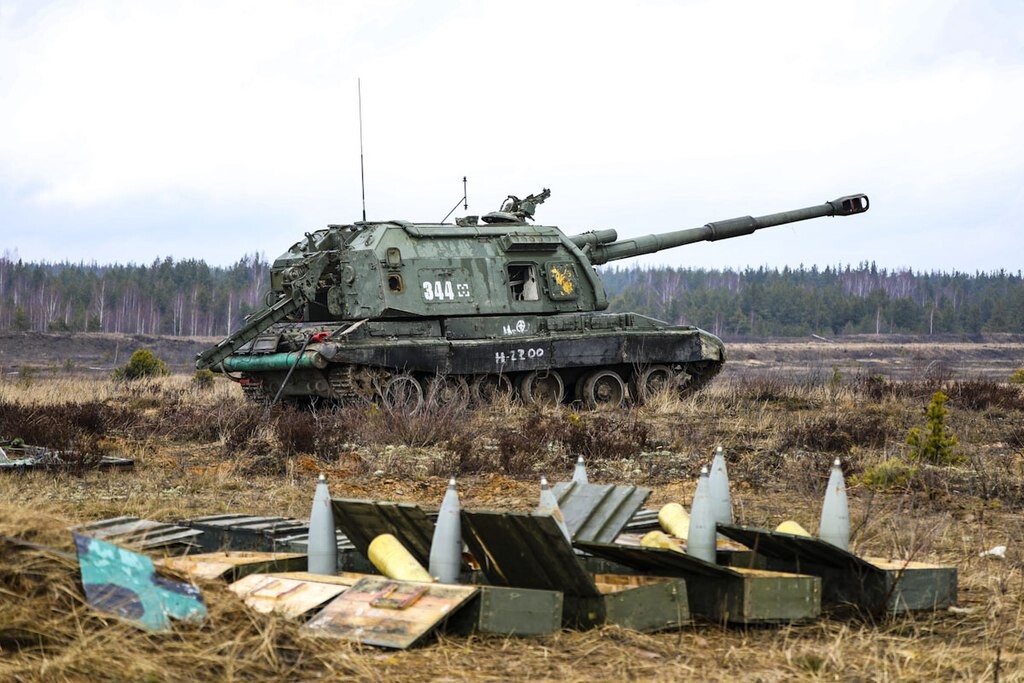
[[491, 301], [125, 584]]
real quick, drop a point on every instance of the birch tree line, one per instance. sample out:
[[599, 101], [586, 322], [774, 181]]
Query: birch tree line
[[836, 300], [179, 298], [190, 298]]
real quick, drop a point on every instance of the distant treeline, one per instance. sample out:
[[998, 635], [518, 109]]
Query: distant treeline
[[834, 301], [190, 298], [184, 298]]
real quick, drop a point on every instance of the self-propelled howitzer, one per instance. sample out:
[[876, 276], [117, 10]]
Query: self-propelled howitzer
[[407, 313]]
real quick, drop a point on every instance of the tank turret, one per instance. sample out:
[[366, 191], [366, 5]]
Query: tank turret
[[407, 313]]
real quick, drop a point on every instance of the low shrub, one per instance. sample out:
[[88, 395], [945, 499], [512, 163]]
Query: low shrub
[[934, 445], [143, 363], [890, 474]]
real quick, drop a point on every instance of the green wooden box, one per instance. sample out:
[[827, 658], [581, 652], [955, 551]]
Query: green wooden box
[[509, 611], [519, 550], [724, 594], [872, 584], [642, 603]]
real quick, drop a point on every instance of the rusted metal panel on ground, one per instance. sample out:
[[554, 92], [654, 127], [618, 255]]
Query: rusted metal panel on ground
[[25, 457], [233, 565], [642, 521], [598, 512], [364, 520], [289, 596], [244, 532], [142, 534], [268, 534], [725, 594], [520, 550], [125, 584], [872, 584], [387, 613], [509, 611]]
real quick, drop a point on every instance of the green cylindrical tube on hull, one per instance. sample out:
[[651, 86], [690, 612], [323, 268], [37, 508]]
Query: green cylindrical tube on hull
[[275, 361]]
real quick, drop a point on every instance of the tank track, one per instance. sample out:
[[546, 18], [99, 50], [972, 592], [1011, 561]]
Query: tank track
[[351, 384], [701, 373], [254, 391]]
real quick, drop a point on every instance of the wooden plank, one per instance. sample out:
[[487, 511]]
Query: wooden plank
[[232, 565], [386, 613], [339, 579], [289, 597]]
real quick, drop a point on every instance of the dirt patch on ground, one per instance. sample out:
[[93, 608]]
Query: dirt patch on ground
[[897, 356], [93, 353], [992, 357]]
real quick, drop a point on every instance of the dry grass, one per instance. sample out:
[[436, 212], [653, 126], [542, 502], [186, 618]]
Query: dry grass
[[206, 451]]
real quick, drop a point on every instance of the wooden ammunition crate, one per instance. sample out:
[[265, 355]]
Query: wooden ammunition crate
[[518, 550], [509, 611], [724, 594], [872, 584]]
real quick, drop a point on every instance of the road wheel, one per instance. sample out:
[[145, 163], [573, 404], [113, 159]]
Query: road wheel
[[486, 387], [603, 389], [651, 380], [541, 387], [448, 390], [402, 393]]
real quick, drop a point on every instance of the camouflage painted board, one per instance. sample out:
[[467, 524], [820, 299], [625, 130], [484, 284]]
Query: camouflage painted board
[[125, 584]]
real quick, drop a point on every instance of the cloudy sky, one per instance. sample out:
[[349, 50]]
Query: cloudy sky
[[132, 130]]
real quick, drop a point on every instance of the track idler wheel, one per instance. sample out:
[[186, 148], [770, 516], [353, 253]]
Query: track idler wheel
[[541, 387], [486, 387], [403, 394], [603, 389]]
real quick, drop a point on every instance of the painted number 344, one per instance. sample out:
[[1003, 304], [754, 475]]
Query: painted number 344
[[444, 290]]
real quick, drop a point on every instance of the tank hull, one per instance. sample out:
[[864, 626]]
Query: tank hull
[[596, 359]]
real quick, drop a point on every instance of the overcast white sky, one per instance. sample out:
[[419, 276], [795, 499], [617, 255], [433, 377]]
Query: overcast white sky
[[135, 130]]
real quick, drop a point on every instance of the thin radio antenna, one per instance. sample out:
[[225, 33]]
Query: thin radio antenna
[[362, 173], [464, 201]]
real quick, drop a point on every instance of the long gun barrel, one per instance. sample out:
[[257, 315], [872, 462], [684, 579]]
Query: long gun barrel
[[602, 251]]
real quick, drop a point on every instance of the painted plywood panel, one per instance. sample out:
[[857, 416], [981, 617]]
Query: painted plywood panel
[[232, 565], [387, 613], [289, 597]]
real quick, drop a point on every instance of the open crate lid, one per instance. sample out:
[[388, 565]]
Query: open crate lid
[[796, 550], [364, 520], [598, 512], [656, 560], [522, 550]]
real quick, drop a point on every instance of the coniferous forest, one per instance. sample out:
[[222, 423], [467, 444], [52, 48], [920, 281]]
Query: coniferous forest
[[190, 298]]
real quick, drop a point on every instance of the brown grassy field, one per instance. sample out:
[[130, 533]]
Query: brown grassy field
[[203, 451]]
